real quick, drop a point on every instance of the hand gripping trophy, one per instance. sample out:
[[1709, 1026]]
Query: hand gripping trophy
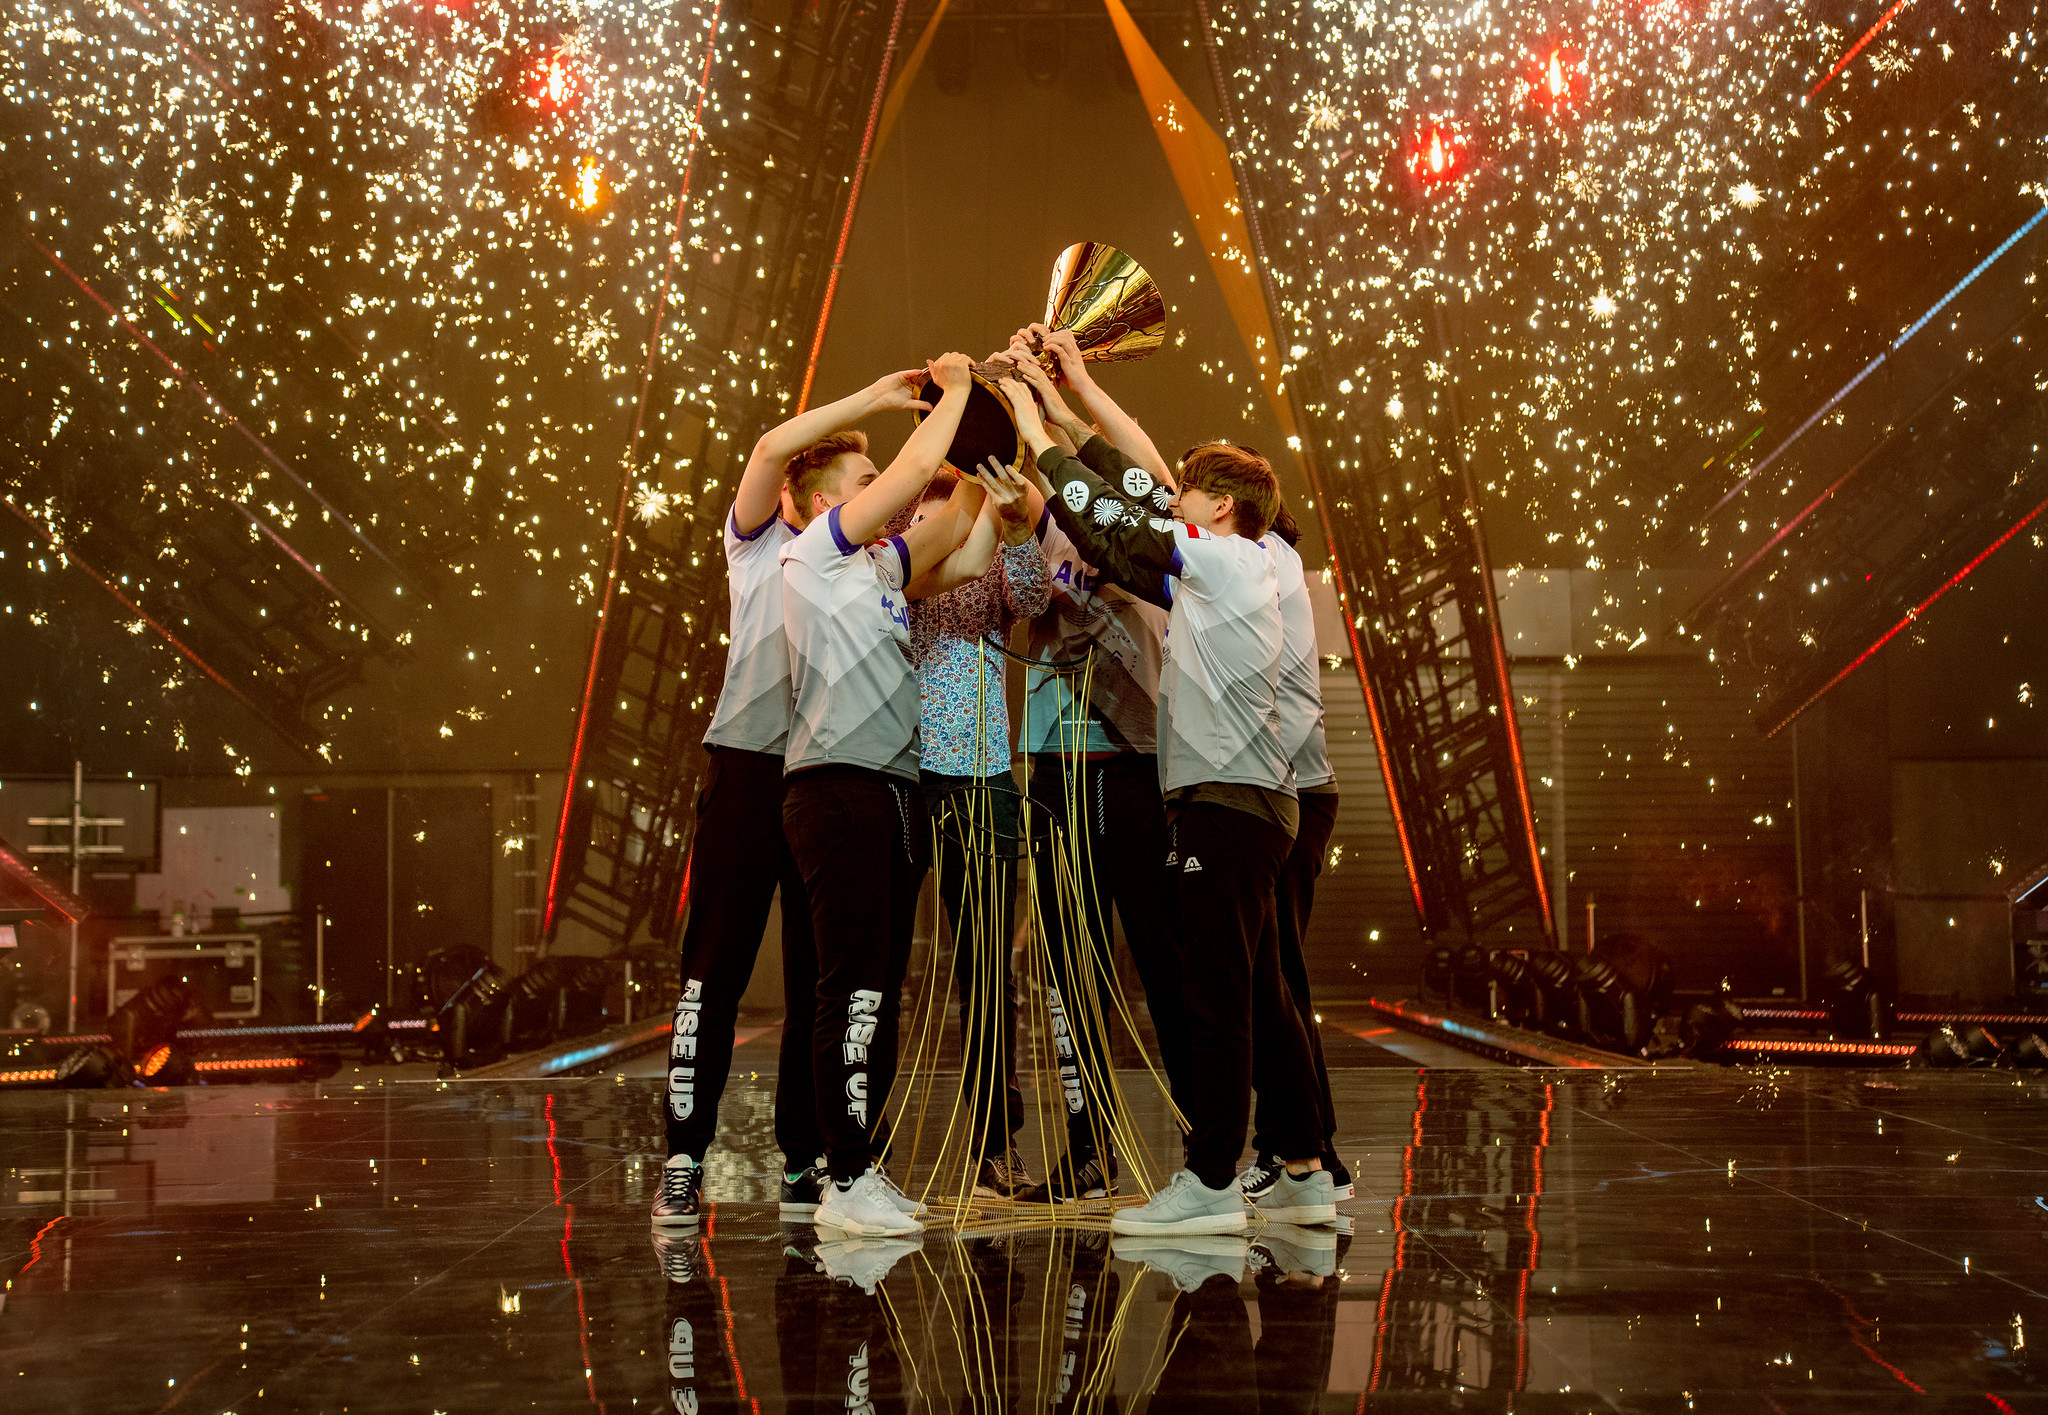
[[1115, 313]]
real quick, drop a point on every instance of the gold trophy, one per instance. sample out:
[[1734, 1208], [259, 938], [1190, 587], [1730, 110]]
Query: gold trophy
[[1116, 314]]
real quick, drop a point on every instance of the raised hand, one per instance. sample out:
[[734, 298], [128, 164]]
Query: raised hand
[[894, 391], [950, 372], [1067, 349]]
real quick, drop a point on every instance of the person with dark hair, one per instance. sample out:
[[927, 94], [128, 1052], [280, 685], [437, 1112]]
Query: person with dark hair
[[970, 789], [1095, 772], [1315, 782], [852, 809], [1229, 789], [738, 850]]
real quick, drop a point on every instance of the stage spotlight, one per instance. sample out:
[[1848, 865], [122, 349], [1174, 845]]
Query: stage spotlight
[[1855, 1007], [1623, 984], [2029, 1052], [1472, 977], [1556, 990], [1516, 998], [1981, 1046], [1942, 1049], [87, 1068], [1708, 1024]]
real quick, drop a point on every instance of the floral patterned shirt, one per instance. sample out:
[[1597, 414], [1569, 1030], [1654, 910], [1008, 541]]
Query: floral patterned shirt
[[955, 641]]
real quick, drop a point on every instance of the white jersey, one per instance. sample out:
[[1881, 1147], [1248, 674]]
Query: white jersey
[[1219, 711], [753, 705], [1301, 681], [854, 692]]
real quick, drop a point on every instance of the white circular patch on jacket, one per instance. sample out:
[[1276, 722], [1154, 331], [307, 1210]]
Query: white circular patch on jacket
[[1137, 482], [1162, 497], [1075, 494], [1108, 512]]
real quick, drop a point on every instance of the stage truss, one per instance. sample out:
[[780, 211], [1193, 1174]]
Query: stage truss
[[791, 94]]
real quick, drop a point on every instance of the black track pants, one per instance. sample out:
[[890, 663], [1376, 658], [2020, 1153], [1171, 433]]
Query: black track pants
[[1297, 1338], [1296, 898], [860, 841], [976, 859], [1123, 859], [1229, 864], [1210, 1350], [738, 858], [836, 1345]]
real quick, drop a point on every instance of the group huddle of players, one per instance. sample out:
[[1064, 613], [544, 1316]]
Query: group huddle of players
[[863, 699]]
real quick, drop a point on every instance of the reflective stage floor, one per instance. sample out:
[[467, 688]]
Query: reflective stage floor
[[1698, 1240]]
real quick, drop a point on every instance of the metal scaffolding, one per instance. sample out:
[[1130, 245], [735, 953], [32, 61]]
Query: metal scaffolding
[[795, 83]]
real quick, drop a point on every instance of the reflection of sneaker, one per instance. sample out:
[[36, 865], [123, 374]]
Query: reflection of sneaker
[[865, 1208], [1307, 1198], [1288, 1249], [904, 1203], [681, 1199], [1340, 1177], [1189, 1259], [802, 1191], [1185, 1205], [677, 1254], [1001, 1176], [1078, 1174], [864, 1262], [1258, 1176]]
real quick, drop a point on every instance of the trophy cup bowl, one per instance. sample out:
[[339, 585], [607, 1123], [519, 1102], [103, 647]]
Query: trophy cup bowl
[[1116, 314]]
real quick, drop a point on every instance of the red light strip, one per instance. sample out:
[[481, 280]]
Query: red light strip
[[247, 1063], [2018, 1019], [1854, 50], [1765, 1044], [1914, 613], [611, 574], [24, 874], [23, 1078]]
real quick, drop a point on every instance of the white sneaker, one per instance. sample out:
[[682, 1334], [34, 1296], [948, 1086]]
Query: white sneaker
[[914, 1208], [866, 1209], [1289, 1249], [1185, 1205], [1190, 1259], [1305, 1198], [864, 1262]]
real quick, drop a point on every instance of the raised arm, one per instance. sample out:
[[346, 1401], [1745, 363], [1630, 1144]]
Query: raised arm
[[1108, 529], [761, 483], [1118, 426], [1001, 522], [862, 518]]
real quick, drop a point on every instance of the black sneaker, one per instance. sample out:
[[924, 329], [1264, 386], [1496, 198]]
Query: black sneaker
[[677, 1255], [1259, 1177], [803, 1191], [1078, 1174], [681, 1200], [1002, 1176], [1339, 1176]]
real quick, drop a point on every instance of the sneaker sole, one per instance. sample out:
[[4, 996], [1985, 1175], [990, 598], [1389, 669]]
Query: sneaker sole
[[868, 1230], [789, 1207], [1303, 1214], [1203, 1223], [1346, 1191], [675, 1220]]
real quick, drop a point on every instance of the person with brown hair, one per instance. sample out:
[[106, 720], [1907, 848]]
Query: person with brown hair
[[852, 809], [738, 850], [1230, 795]]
